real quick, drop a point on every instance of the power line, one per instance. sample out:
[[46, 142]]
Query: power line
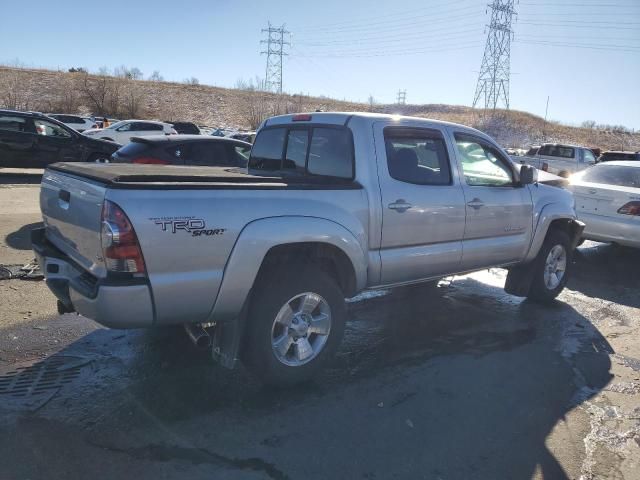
[[386, 17], [493, 80], [275, 51]]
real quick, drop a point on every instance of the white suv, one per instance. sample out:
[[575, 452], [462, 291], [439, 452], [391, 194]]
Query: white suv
[[122, 132]]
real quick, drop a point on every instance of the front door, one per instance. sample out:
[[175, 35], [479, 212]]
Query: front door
[[499, 210], [422, 203], [17, 140]]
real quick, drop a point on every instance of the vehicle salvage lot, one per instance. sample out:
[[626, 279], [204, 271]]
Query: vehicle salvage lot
[[462, 382]]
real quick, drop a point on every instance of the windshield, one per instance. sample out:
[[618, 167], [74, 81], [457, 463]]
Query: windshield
[[113, 126]]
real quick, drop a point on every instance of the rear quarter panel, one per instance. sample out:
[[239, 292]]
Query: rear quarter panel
[[185, 268]]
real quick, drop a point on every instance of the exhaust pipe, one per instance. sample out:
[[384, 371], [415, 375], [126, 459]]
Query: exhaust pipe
[[198, 335]]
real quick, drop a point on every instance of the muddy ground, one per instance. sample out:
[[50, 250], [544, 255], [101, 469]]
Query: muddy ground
[[465, 382]]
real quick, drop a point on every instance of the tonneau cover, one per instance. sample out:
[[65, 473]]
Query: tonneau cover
[[122, 175]]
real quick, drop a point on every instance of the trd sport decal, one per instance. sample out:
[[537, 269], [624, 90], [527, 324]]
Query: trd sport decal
[[195, 226]]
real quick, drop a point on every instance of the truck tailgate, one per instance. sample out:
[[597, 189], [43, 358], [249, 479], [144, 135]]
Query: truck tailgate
[[71, 209]]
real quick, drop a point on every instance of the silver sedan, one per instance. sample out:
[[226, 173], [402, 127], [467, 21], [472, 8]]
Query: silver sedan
[[608, 201]]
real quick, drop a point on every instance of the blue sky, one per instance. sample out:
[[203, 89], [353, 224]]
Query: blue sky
[[583, 54]]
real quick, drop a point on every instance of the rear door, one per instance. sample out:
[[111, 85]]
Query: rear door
[[17, 141], [422, 202], [499, 211]]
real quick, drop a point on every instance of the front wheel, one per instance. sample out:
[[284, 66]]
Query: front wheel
[[295, 325], [551, 267]]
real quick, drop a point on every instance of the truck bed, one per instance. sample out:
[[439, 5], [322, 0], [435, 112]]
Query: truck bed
[[130, 176]]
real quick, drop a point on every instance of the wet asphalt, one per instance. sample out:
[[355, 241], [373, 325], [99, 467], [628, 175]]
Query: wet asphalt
[[458, 382]]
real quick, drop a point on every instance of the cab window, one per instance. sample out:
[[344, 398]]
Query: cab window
[[482, 164], [49, 129], [417, 156]]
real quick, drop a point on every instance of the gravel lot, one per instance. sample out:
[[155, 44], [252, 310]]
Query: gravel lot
[[465, 382]]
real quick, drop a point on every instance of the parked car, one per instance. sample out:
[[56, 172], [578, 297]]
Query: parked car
[[532, 151], [619, 155], [122, 132], [187, 128], [248, 137], [76, 122], [608, 202], [258, 263], [562, 160], [184, 150], [34, 140]]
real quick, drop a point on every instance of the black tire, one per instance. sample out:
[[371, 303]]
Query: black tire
[[539, 291], [273, 291], [99, 158]]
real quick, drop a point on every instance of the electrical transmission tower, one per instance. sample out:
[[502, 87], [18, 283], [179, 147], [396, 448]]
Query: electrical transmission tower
[[275, 51], [493, 80], [402, 97]]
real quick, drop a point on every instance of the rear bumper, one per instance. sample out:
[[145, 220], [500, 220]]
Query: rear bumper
[[609, 229], [115, 303]]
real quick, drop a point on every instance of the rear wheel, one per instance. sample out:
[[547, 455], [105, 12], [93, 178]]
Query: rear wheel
[[551, 267], [296, 322], [99, 158]]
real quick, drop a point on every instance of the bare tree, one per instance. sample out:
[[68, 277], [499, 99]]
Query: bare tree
[[14, 96], [372, 102], [96, 91], [192, 81], [132, 100], [590, 124], [156, 77]]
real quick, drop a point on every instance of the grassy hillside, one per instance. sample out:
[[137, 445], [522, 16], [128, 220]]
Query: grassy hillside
[[51, 91]]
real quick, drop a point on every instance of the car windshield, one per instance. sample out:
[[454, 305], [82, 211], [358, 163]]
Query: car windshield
[[113, 126]]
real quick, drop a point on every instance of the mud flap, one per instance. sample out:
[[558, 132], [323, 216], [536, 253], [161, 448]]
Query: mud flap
[[519, 280], [227, 339]]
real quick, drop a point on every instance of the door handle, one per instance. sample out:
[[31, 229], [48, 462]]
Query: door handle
[[400, 205], [476, 203]]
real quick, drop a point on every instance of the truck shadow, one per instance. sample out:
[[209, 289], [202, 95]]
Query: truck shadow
[[463, 382], [21, 238], [608, 272]]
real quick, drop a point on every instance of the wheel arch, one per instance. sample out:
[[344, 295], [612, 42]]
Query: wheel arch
[[272, 241], [279, 237]]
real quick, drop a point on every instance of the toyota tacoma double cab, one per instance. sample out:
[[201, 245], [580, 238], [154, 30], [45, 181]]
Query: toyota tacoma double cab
[[256, 263]]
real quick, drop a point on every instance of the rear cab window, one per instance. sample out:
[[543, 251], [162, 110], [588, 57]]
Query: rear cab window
[[557, 151], [310, 150], [417, 155]]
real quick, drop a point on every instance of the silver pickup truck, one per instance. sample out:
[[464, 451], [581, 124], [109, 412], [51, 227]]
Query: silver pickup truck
[[256, 263]]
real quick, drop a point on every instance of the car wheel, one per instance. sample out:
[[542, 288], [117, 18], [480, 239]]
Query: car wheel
[[99, 158], [551, 267], [295, 325]]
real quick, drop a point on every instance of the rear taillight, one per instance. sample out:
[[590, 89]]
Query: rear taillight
[[120, 246], [631, 208], [150, 161]]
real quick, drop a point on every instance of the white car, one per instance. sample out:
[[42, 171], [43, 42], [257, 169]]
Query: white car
[[608, 201], [122, 132], [80, 124]]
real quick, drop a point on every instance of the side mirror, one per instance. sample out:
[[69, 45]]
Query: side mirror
[[528, 175]]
